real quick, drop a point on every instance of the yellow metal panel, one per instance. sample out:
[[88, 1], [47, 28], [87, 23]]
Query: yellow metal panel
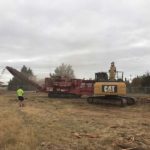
[[109, 88]]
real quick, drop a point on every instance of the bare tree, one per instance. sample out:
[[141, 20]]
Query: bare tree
[[64, 70]]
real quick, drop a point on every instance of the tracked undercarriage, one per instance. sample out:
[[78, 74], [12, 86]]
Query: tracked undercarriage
[[62, 95], [112, 100]]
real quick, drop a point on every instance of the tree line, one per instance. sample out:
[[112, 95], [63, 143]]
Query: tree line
[[141, 81], [140, 84]]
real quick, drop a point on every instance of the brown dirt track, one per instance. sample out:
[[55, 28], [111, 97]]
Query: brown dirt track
[[63, 124]]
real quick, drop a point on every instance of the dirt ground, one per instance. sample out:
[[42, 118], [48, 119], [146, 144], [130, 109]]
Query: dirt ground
[[72, 124]]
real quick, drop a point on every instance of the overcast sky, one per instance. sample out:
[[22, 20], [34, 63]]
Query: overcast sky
[[88, 34]]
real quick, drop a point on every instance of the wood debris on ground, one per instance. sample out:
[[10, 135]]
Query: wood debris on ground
[[130, 143], [79, 135]]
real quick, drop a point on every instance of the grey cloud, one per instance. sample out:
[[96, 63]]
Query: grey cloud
[[87, 34]]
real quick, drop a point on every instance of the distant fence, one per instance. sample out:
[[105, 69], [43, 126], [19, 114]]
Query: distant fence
[[144, 90]]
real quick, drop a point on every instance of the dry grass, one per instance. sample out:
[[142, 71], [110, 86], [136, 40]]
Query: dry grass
[[71, 125]]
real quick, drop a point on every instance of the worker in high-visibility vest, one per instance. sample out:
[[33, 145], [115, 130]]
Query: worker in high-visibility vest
[[20, 94]]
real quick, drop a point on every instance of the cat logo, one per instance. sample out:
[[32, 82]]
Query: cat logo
[[109, 88]]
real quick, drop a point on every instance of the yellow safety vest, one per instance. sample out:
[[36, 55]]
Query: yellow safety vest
[[20, 92]]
